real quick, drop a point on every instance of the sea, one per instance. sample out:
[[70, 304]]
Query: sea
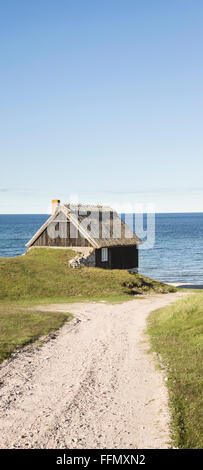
[[177, 254]]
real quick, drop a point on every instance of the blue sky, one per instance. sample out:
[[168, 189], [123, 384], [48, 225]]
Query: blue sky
[[102, 100]]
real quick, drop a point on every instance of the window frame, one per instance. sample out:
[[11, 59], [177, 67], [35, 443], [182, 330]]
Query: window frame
[[104, 254]]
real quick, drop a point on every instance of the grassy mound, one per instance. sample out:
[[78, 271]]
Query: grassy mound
[[20, 326], [44, 275], [177, 334]]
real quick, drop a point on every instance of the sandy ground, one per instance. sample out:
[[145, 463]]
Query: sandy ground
[[93, 384]]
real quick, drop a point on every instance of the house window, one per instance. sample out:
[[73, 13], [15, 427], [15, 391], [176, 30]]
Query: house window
[[104, 254]]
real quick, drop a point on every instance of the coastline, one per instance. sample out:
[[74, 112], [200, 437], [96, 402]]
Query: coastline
[[186, 285]]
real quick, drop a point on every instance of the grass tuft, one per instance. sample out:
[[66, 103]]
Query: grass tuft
[[177, 335], [20, 326]]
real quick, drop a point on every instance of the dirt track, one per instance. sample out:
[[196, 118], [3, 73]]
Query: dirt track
[[93, 385]]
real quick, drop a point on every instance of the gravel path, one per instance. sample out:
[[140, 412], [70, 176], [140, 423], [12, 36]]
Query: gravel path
[[93, 384]]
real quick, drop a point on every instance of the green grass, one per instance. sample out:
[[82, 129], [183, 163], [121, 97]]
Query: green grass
[[19, 326], [177, 335], [44, 275]]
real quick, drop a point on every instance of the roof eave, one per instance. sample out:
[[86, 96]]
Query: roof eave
[[42, 228]]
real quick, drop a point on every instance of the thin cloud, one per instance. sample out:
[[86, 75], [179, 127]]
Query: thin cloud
[[20, 190], [143, 191]]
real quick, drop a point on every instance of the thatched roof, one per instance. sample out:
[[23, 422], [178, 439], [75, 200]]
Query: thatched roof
[[100, 225], [107, 228]]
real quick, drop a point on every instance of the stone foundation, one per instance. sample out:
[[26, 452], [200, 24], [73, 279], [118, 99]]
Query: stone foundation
[[86, 259]]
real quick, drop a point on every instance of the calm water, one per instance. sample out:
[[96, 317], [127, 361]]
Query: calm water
[[176, 257]]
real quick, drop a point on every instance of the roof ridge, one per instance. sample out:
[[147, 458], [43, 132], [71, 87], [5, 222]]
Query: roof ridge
[[90, 206]]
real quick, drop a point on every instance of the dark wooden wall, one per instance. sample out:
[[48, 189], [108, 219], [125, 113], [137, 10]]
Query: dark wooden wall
[[119, 257], [124, 257], [99, 262]]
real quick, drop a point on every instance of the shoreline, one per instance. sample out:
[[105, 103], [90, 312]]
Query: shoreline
[[186, 285]]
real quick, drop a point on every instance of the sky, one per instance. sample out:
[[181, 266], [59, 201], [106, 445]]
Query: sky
[[101, 101]]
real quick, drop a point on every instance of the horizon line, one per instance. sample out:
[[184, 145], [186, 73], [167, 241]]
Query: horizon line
[[125, 212]]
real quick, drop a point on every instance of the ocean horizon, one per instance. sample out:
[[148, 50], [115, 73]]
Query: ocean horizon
[[177, 255]]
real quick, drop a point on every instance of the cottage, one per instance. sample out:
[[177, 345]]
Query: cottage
[[96, 232]]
